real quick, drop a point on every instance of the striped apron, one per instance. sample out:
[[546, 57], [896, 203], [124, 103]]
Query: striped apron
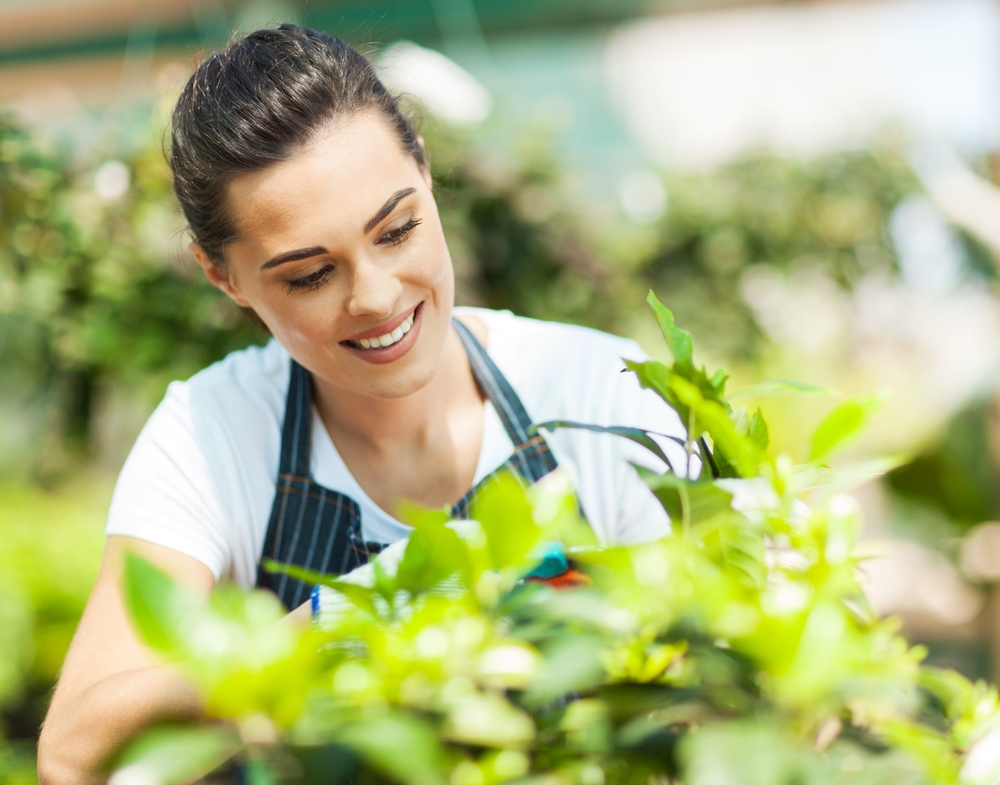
[[320, 529]]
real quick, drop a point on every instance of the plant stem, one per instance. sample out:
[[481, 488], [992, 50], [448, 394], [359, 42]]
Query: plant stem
[[689, 442]]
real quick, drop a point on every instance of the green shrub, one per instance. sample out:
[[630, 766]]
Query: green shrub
[[738, 649]]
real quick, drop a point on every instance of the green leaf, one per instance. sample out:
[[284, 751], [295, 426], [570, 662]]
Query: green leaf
[[718, 381], [433, 554], [403, 747], [739, 546], [488, 721], [418, 517], [711, 417], [359, 596], [955, 692], [758, 432], [843, 425], [706, 499], [385, 584], [679, 341], [174, 755], [572, 664], [776, 387], [158, 607], [833, 482], [747, 752], [655, 376], [503, 510], [637, 435], [300, 573], [927, 745]]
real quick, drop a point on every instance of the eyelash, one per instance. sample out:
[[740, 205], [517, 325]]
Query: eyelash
[[396, 236], [314, 281], [311, 282]]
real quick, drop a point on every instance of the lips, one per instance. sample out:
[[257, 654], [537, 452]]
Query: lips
[[383, 329], [399, 334], [386, 339]]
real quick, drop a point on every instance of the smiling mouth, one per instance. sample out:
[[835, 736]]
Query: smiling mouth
[[382, 341]]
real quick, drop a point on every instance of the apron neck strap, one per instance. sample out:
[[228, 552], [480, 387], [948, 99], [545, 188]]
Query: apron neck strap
[[495, 386], [296, 432]]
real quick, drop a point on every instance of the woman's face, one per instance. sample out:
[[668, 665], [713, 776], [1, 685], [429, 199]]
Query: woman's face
[[342, 255]]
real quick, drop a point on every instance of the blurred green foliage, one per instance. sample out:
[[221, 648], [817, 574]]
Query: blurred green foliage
[[738, 649], [89, 289], [518, 240], [829, 213], [957, 474], [50, 548]]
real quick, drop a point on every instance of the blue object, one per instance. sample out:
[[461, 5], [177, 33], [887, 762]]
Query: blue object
[[552, 560]]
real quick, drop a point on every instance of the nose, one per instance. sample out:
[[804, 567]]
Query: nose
[[374, 290]]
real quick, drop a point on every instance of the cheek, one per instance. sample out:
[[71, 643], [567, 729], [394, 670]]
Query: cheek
[[296, 320], [434, 262]]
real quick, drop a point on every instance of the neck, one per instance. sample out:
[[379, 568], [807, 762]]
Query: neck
[[386, 424]]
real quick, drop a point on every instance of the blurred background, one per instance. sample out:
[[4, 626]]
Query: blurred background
[[811, 186]]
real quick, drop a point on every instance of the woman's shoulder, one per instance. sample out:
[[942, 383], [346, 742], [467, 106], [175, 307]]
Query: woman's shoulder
[[253, 374], [521, 345], [200, 475], [234, 404], [507, 331]]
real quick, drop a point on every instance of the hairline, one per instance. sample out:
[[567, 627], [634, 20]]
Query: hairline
[[322, 131]]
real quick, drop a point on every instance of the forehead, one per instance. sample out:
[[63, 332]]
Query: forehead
[[334, 184]]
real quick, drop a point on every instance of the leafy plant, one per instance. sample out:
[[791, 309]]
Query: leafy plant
[[738, 649]]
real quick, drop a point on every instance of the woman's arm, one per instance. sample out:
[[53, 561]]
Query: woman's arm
[[111, 687]]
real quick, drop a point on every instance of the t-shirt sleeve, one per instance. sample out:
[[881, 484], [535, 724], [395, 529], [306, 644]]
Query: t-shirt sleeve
[[166, 493]]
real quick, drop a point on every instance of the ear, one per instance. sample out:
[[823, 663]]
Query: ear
[[219, 277]]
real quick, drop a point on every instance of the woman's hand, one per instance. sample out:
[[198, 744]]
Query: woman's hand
[[111, 686]]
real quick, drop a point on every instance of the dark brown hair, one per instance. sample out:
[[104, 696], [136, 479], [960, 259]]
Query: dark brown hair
[[256, 102]]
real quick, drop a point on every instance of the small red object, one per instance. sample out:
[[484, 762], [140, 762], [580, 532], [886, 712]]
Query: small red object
[[571, 579]]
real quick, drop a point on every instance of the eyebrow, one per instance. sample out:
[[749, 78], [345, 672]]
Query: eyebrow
[[316, 250], [293, 256], [387, 208]]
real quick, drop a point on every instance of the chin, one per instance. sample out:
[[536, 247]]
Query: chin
[[394, 389]]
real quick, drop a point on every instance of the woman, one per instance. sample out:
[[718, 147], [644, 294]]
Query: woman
[[310, 203]]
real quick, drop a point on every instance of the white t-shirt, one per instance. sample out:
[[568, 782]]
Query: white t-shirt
[[201, 476]]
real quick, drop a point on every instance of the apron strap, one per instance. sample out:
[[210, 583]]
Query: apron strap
[[297, 429], [495, 386], [532, 458]]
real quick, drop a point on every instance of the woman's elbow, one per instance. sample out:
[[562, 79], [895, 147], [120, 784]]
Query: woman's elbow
[[54, 766]]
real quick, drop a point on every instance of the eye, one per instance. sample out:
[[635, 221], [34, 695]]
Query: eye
[[396, 236], [310, 282]]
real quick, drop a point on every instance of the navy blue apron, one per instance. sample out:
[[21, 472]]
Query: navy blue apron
[[319, 529]]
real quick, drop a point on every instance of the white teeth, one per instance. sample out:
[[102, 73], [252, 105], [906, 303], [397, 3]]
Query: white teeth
[[389, 338]]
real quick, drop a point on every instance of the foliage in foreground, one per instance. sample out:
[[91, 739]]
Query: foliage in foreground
[[738, 649]]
